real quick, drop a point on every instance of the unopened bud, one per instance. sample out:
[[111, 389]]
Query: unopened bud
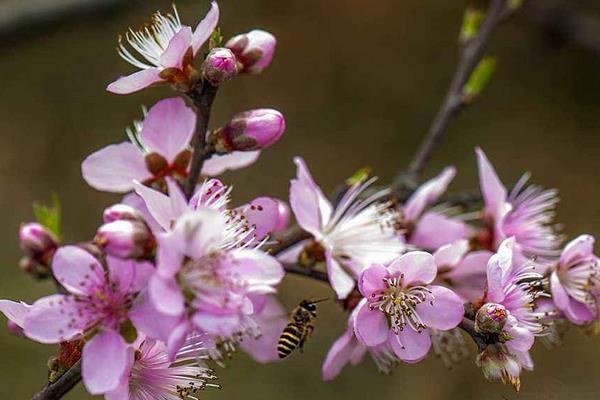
[[36, 239], [13, 328], [121, 212], [497, 364], [219, 66], [254, 50], [490, 318], [250, 130], [283, 217], [125, 239]]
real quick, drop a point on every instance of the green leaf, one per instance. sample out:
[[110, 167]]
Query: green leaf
[[128, 331], [216, 39], [472, 20], [479, 78], [359, 176], [49, 216]]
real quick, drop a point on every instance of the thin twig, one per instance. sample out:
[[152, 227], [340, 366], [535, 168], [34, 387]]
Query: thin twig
[[306, 272], [203, 96], [470, 56], [56, 390]]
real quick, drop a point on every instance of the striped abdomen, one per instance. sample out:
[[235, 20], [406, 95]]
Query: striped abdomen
[[289, 340]]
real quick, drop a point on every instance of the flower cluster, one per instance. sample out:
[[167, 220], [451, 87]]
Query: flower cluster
[[175, 279]]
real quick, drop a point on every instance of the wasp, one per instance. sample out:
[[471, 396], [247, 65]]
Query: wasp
[[299, 328]]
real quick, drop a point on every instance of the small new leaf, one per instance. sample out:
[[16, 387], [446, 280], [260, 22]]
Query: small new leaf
[[216, 39], [472, 20], [479, 78], [514, 4], [359, 176], [49, 215]]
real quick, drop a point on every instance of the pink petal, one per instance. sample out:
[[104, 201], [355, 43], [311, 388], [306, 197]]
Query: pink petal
[[135, 200], [494, 192], [578, 248], [136, 81], [339, 279], [202, 231], [271, 320], [451, 254], [161, 207], [14, 311], [256, 268], [409, 345], [310, 206], [445, 313], [147, 319], [166, 296], [115, 167], [469, 276], [215, 324], [559, 294], [264, 214], [49, 319], [168, 128], [206, 27], [104, 362], [179, 44], [371, 280], [434, 230], [338, 356], [417, 267], [428, 193], [177, 339], [524, 359], [169, 256], [522, 338], [291, 254], [122, 273], [77, 270], [578, 313], [218, 164], [370, 326]]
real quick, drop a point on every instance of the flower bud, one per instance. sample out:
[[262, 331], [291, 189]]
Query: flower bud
[[13, 328], [119, 212], [125, 239], [37, 240], [219, 66], [254, 50], [497, 364], [490, 318], [249, 131], [283, 217]]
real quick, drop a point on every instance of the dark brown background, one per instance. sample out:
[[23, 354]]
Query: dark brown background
[[359, 81]]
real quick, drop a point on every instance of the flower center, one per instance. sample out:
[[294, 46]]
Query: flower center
[[400, 304], [579, 280]]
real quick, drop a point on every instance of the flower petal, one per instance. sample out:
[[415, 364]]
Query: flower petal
[[428, 193], [559, 294], [339, 279], [338, 356], [370, 326], [255, 267], [217, 324], [418, 268], [579, 313], [147, 319], [137, 81], [168, 128], [445, 312], [578, 248], [450, 255], [14, 311], [494, 192], [50, 319], [263, 214], [166, 296], [206, 27], [115, 167], [160, 206], [434, 230], [77, 270], [175, 51], [104, 362], [409, 345], [218, 164], [371, 280], [271, 320]]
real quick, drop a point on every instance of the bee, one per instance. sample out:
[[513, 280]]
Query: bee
[[299, 329]]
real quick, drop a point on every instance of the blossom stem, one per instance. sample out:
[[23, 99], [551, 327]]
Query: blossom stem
[[57, 389], [307, 272], [454, 102], [203, 96]]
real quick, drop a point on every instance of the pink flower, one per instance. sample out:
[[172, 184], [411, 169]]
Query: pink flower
[[97, 304], [429, 229], [158, 148], [513, 282], [575, 279], [151, 374], [254, 50], [348, 349], [402, 305], [167, 49], [358, 233], [206, 281], [464, 271], [526, 214]]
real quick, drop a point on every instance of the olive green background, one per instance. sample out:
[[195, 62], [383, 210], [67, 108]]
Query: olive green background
[[359, 82]]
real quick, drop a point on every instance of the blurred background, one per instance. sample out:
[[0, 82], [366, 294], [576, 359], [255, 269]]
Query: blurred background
[[359, 82]]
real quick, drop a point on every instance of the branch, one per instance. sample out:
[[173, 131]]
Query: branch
[[470, 56], [306, 272], [56, 390], [203, 95]]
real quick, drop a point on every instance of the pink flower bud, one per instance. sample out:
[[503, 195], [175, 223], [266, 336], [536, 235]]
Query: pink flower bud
[[254, 50], [490, 318], [497, 364], [283, 218], [219, 66], [121, 211], [250, 130], [36, 239], [125, 239], [13, 328]]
